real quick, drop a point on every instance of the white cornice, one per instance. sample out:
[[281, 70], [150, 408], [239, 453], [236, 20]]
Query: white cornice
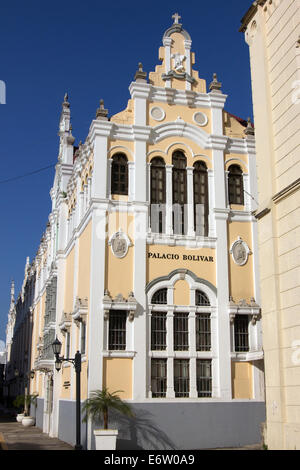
[[99, 128]]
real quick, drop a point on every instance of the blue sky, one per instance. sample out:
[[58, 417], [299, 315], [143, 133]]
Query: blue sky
[[91, 50]]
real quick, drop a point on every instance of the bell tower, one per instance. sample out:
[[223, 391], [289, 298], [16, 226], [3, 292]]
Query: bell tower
[[177, 61]]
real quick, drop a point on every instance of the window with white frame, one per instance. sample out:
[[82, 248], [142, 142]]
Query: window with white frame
[[117, 330], [158, 377], [158, 331], [241, 333], [83, 337], [181, 377], [204, 377], [181, 331], [67, 344], [180, 345]]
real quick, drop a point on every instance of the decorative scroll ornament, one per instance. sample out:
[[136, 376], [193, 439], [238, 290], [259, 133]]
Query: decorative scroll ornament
[[240, 252], [119, 243]]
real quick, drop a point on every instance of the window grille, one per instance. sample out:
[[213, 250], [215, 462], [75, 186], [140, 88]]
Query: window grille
[[201, 298], [68, 344], [160, 297], [158, 377], [241, 336], [203, 332], [119, 174], [117, 330], [158, 194], [179, 185], [83, 337], [235, 185], [181, 377], [158, 331], [201, 199], [181, 332], [204, 378]]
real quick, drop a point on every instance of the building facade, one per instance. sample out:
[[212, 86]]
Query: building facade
[[272, 33], [148, 266], [19, 337]]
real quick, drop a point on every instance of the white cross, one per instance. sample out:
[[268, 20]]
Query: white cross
[[176, 17]]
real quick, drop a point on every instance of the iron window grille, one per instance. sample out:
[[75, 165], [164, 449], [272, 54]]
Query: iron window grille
[[158, 194], [119, 174], [181, 331], [83, 337], [117, 330], [235, 185], [68, 340], [201, 199], [241, 333], [181, 377], [203, 332], [204, 378], [201, 298], [158, 331], [179, 185], [160, 297], [159, 378]]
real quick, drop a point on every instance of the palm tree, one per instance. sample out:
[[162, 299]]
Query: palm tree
[[101, 401]]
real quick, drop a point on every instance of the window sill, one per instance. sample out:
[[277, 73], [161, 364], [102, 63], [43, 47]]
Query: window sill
[[116, 353], [247, 356]]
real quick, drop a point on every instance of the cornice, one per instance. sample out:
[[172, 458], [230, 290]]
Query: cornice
[[250, 14], [100, 128]]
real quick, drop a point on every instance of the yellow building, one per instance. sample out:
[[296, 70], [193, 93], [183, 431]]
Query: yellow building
[[148, 266], [272, 32]]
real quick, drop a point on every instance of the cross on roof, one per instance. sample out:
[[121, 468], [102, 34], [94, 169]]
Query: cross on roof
[[176, 17]]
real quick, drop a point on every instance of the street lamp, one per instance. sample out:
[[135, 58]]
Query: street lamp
[[76, 361]]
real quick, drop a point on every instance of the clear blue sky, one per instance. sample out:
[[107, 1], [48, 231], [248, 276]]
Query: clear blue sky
[[90, 49]]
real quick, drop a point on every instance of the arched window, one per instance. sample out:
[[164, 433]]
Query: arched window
[[119, 174], [160, 296], [179, 191], [201, 198], [201, 298], [235, 185], [158, 194]]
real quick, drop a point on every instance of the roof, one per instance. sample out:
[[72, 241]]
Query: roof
[[249, 14]]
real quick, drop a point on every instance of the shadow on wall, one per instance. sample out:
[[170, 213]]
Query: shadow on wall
[[139, 432]]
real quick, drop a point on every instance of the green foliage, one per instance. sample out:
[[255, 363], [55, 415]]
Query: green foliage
[[19, 402], [100, 402]]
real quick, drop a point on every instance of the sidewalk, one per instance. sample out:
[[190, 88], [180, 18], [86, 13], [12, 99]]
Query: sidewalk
[[14, 436]]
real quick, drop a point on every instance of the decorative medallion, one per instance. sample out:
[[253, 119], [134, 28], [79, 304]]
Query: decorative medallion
[[119, 243], [200, 119], [157, 113], [240, 252]]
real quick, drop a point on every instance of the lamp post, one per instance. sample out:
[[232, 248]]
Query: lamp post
[[76, 361]]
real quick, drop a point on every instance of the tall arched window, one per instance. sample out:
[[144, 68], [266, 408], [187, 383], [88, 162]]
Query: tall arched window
[[119, 174], [179, 191], [200, 198], [158, 194], [235, 185]]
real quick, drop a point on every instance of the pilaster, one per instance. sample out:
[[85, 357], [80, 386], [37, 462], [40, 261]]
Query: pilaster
[[100, 132]]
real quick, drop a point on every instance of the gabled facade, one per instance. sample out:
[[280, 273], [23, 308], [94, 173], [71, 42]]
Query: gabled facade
[[149, 265]]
